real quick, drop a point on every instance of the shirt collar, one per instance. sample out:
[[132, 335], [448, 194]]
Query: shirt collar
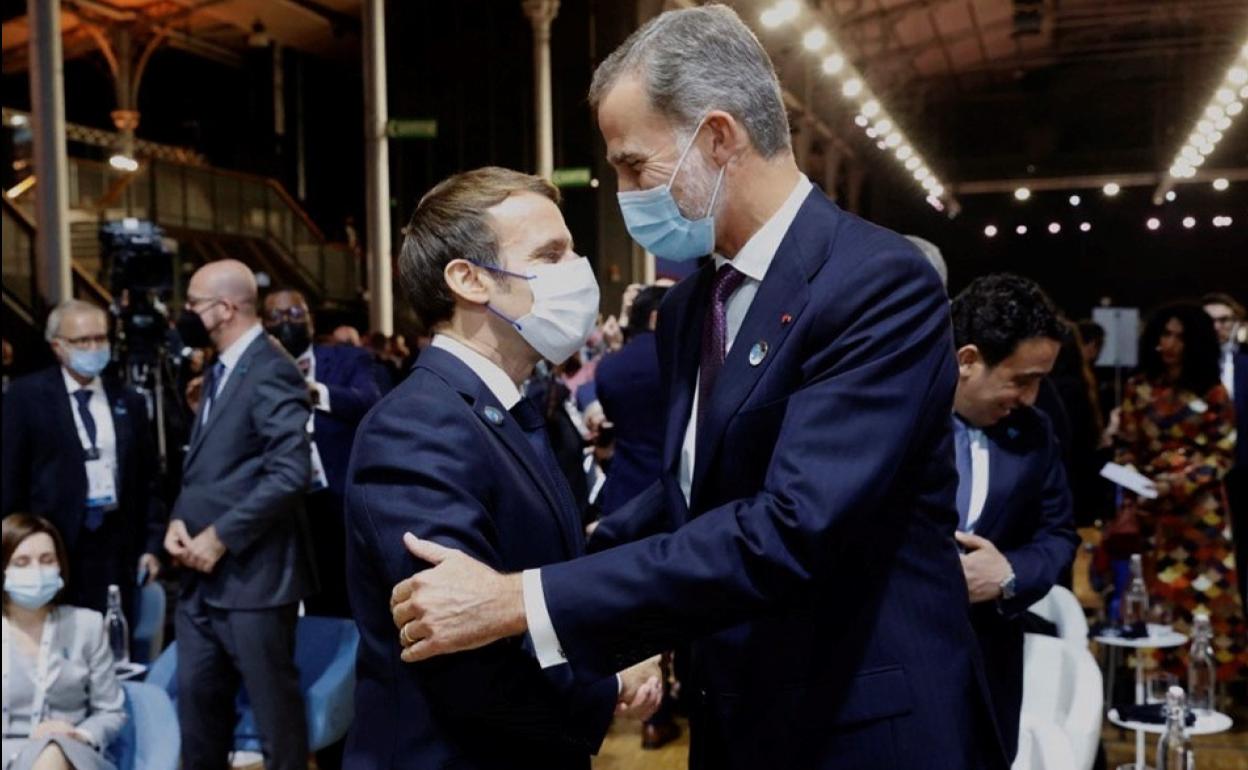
[[229, 357], [71, 385], [756, 256], [489, 372]]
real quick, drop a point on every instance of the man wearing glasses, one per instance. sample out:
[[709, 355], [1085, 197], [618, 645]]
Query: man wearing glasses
[[239, 526], [78, 450]]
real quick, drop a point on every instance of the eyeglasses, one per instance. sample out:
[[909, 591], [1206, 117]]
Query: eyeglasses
[[297, 313], [87, 340]]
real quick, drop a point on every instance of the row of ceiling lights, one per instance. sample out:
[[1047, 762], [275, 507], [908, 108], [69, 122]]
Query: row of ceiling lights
[[1152, 224], [1227, 102], [1111, 189], [872, 117]]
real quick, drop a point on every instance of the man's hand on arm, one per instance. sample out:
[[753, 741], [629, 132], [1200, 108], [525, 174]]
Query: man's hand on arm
[[985, 567], [641, 689], [177, 541], [204, 551], [457, 604]]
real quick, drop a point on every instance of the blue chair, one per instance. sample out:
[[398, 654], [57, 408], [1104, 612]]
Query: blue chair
[[149, 625], [325, 656], [150, 739]]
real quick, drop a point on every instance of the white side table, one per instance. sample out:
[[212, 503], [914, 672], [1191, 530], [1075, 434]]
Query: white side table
[[1164, 640]]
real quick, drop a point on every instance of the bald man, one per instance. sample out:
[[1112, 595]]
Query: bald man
[[240, 529]]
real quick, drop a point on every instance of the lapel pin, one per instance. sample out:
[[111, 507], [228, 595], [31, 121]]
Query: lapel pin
[[493, 415], [758, 352], [786, 319]]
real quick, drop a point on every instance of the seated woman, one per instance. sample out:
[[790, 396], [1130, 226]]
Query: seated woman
[[62, 702]]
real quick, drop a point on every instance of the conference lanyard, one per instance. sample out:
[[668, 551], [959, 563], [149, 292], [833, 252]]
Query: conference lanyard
[[42, 667]]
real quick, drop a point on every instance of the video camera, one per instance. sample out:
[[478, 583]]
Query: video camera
[[140, 261]]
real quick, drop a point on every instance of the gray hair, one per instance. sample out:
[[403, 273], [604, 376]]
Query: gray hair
[[68, 307], [697, 60]]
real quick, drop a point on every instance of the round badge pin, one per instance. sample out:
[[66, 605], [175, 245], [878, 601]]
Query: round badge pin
[[493, 415], [758, 352]]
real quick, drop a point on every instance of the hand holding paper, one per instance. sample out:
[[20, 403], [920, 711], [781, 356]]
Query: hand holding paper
[[1129, 478]]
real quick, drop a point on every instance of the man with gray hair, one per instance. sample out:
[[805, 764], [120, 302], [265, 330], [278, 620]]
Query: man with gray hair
[[79, 450], [801, 537]]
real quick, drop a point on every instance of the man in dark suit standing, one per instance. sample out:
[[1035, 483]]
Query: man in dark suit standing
[[802, 534], [1015, 514], [239, 526], [78, 450], [342, 388], [630, 391], [1228, 320], [455, 453]]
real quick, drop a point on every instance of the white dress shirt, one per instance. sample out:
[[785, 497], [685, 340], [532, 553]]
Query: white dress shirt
[[753, 260], [979, 476], [105, 432], [229, 359], [306, 361], [506, 391], [1228, 368]]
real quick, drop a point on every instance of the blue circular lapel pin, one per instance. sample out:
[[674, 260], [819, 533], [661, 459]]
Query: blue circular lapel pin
[[493, 415], [758, 352]]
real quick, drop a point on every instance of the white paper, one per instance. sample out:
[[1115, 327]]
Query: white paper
[[319, 480], [1130, 478]]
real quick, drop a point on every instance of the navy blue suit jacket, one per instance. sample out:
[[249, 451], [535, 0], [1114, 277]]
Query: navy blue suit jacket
[[441, 458], [347, 373], [815, 570], [1241, 411], [1029, 516], [630, 390]]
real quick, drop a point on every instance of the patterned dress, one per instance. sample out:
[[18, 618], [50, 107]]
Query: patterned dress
[[1172, 435]]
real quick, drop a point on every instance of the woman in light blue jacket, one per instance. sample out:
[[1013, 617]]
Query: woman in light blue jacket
[[62, 703]]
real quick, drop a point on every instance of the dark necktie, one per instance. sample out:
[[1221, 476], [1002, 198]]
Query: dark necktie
[[962, 453], [531, 421], [95, 514], [210, 389], [715, 333]]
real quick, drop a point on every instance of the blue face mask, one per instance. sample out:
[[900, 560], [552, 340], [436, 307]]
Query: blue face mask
[[89, 363], [32, 587], [654, 220]]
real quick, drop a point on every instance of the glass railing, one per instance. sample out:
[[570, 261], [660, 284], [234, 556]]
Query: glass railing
[[211, 200], [20, 280]]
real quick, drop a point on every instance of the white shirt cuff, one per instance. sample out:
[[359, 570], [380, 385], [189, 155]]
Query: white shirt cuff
[[322, 398], [541, 630]]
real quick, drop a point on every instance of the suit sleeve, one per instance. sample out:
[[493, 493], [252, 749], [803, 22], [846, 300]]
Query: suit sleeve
[[16, 453], [644, 515], [434, 488], [279, 414], [878, 371], [350, 401], [1051, 549]]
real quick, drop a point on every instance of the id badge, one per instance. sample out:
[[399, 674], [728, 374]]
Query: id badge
[[319, 481], [101, 484]]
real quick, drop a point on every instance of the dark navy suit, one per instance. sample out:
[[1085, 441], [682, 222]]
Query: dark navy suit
[[815, 569], [349, 377], [1028, 516], [441, 458], [630, 390], [44, 473], [1237, 479]]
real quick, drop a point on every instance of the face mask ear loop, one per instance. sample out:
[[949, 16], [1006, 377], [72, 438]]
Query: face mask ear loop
[[514, 324], [715, 193], [681, 161]]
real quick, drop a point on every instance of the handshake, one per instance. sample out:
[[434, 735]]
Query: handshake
[[641, 690]]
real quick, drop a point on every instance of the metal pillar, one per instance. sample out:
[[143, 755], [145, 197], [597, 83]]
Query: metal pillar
[[47, 97], [541, 13], [377, 170]]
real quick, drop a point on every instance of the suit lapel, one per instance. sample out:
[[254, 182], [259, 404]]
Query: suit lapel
[[64, 413], [120, 413], [488, 409], [771, 317], [232, 383]]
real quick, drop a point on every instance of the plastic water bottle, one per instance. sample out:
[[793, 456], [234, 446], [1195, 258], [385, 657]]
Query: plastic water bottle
[[1174, 750], [117, 628], [1201, 672], [1135, 603]]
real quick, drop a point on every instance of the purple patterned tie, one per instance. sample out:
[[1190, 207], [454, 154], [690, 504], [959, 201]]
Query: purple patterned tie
[[715, 333]]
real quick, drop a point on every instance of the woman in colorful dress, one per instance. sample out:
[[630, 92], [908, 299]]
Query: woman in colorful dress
[[1178, 428]]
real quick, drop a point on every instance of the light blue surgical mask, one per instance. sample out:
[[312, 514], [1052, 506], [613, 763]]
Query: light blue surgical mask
[[654, 220], [89, 363], [34, 586]]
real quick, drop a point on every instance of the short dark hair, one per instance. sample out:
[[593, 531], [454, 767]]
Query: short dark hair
[[997, 312], [19, 526], [1090, 331], [1221, 298], [450, 223], [1202, 355], [646, 302]]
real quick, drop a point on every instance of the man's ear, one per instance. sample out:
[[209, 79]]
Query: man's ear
[[968, 357], [728, 136], [466, 282]]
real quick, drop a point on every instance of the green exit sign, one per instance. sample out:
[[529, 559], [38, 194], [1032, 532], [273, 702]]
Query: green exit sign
[[578, 176], [412, 128]]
